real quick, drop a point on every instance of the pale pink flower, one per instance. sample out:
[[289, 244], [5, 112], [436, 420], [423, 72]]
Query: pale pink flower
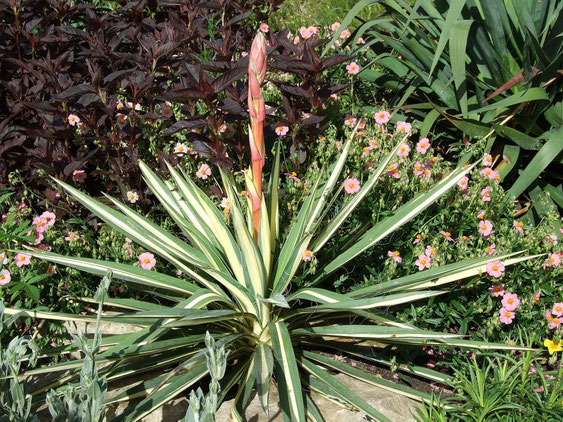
[[423, 262], [335, 26], [121, 120], [486, 194], [5, 277], [49, 217], [519, 226], [360, 41], [226, 204], [558, 309], [418, 168], [52, 269], [403, 151], [307, 255], [3, 258], [264, 27], [506, 316], [495, 269], [488, 160], [345, 34], [79, 176], [510, 301], [350, 121], [312, 30], [481, 215], [485, 228], [282, 130], [22, 259], [554, 260], [382, 117], [146, 260], [392, 171], [492, 249], [73, 119], [490, 173], [554, 323], [404, 127], [372, 143], [245, 53], [167, 112], [423, 145], [353, 68], [395, 255], [429, 251], [447, 235], [352, 186], [417, 239], [132, 196], [293, 176], [40, 224], [463, 183], [72, 236], [551, 238], [296, 40], [38, 237], [537, 296], [204, 172], [497, 290]]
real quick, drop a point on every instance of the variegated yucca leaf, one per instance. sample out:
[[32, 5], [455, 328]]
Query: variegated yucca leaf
[[241, 290]]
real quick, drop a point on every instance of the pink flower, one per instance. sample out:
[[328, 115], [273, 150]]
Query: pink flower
[[307, 255], [506, 316], [554, 323], [353, 68], [345, 34], [79, 176], [488, 160], [264, 27], [423, 262], [395, 255], [40, 224], [3, 259], [382, 117], [558, 309], [423, 145], [418, 169], [393, 171], [350, 121], [492, 250], [38, 237], [417, 239], [352, 186], [551, 238], [167, 112], [490, 173], [372, 143], [497, 290], [335, 26], [429, 251], [510, 301], [519, 226], [293, 176], [537, 296], [447, 235], [481, 215], [404, 151], [5, 277], [204, 172], [226, 204], [463, 183], [404, 127], [52, 269], [282, 130], [49, 217], [554, 260], [485, 228], [73, 119], [146, 260], [22, 259], [486, 194], [495, 269]]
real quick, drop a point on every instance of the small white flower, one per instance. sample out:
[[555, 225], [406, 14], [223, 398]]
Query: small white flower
[[181, 149], [132, 196]]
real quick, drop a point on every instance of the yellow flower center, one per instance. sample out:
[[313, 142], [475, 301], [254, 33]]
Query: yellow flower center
[[511, 301], [495, 267], [423, 261], [508, 314], [396, 254], [146, 260], [448, 234], [22, 258]]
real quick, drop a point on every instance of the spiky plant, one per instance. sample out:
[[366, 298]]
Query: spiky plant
[[242, 290]]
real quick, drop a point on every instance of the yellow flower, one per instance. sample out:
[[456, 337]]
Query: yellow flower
[[552, 346]]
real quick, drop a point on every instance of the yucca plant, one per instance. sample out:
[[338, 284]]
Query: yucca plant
[[491, 68], [243, 291]]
